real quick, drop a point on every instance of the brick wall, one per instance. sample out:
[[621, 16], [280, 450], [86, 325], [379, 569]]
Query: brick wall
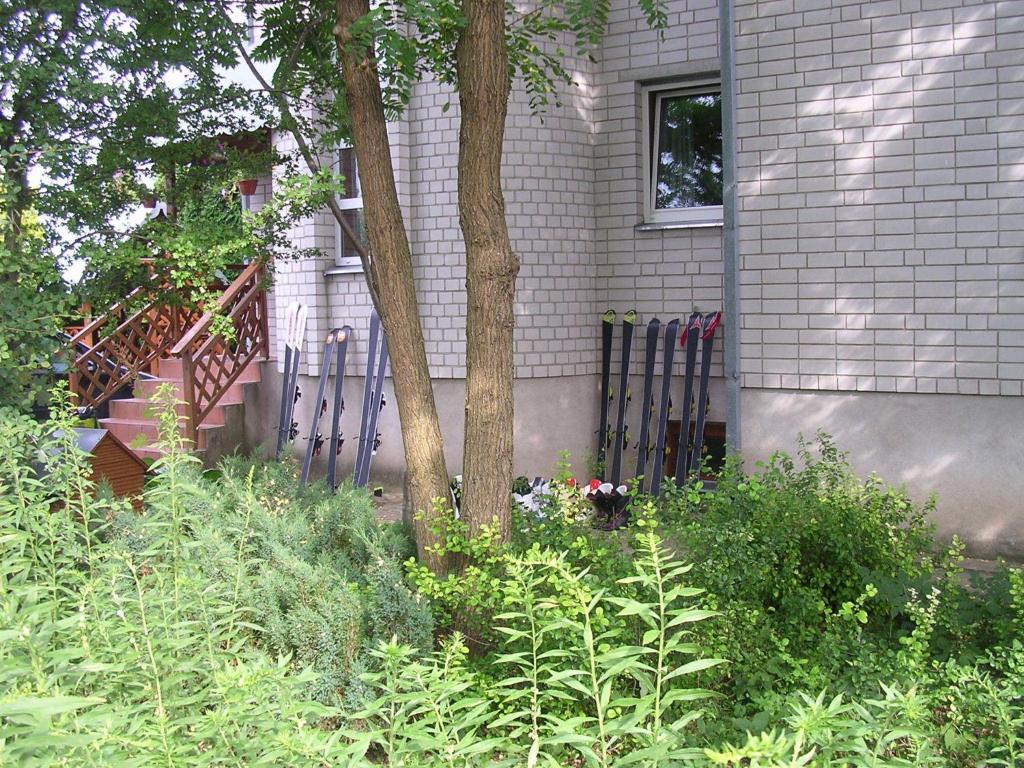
[[881, 193], [663, 273]]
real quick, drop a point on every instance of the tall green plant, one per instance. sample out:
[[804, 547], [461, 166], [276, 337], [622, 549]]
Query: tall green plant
[[121, 649], [602, 675]]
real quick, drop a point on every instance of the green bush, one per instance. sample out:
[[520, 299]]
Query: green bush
[[602, 676], [120, 645], [324, 577]]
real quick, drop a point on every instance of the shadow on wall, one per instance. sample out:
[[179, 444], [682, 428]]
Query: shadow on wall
[[965, 449]]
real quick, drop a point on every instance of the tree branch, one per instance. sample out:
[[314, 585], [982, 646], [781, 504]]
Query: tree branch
[[292, 125]]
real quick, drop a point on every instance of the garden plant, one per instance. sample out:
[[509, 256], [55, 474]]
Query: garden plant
[[794, 616]]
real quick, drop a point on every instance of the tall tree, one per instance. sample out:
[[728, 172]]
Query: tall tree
[[491, 265], [478, 47]]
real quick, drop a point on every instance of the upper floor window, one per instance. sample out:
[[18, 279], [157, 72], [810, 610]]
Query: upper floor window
[[683, 154], [351, 203]]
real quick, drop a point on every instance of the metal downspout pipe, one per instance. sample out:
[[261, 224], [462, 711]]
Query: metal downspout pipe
[[730, 258]]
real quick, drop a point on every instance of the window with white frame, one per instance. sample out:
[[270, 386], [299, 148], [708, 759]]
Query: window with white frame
[[350, 201], [683, 154]]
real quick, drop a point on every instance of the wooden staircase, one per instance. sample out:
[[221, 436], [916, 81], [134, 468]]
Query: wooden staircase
[[164, 343], [134, 420]]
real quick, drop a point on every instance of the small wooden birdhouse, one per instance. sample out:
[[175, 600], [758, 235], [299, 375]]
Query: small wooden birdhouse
[[113, 462]]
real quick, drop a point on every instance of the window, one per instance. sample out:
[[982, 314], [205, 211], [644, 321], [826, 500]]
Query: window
[[683, 155], [351, 204]]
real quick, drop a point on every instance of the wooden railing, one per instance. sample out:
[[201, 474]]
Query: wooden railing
[[107, 360], [210, 362]]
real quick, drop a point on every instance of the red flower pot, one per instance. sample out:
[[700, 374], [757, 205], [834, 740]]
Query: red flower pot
[[246, 186]]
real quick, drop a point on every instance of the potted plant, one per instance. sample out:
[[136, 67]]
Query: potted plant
[[246, 186]]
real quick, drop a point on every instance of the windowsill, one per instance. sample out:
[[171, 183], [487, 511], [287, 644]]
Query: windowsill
[[656, 226], [353, 269]]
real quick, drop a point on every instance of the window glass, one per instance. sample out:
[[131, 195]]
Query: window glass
[[347, 253], [351, 203], [347, 168], [688, 150]]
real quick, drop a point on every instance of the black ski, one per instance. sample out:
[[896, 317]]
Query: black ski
[[628, 324], [685, 416], [372, 443], [671, 331], [708, 326], [647, 404], [283, 425], [294, 336], [607, 330], [339, 407], [315, 439], [364, 411]]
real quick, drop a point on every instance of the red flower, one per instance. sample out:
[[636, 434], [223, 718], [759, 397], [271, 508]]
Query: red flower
[[594, 484], [571, 482]]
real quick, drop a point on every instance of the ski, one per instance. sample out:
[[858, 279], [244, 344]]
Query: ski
[[316, 440], [364, 410], [607, 331], [686, 414], [671, 331], [707, 334], [628, 324], [294, 335], [282, 425], [341, 342], [372, 437], [294, 391], [647, 404]]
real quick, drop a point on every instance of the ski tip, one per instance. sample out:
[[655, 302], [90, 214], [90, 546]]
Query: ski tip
[[654, 323], [378, 491], [608, 317], [630, 317], [711, 322]]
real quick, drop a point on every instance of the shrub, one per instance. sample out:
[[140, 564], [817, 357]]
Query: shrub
[[126, 650], [807, 563], [602, 675], [324, 577]]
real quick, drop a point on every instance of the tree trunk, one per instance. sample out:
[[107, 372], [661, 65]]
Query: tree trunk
[[491, 267], [391, 273], [16, 196]]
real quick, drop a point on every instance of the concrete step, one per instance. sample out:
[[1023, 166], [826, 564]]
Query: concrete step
[[146, 388], [140, 409], [139, 432], [170, 368]]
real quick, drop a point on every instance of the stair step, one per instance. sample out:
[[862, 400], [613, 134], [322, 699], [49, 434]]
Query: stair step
[[141, 409], [146, 389], [128, 431], [170, 368]]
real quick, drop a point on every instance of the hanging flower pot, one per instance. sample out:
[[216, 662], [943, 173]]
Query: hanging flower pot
[[246, 186], [149, 201]]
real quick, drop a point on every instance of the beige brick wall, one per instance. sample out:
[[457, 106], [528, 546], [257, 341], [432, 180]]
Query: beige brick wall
[[663, 273], [572, 181], [880, 195]]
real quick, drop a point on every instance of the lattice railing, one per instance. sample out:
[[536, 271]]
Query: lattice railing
[[106, 360], [211, 362]]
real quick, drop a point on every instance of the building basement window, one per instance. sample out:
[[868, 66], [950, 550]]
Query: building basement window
[[683, 154], [351, 204]]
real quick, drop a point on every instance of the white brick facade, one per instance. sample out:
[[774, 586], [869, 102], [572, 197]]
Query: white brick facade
[[880, 176], [880, 236]]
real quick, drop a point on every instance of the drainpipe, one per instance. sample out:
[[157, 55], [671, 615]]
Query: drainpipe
[[731, 278]]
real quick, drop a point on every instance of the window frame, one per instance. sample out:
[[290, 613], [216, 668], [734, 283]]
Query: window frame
[[652, 97], [342, 262]]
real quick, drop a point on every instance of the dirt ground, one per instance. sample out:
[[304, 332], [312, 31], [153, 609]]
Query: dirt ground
[[389, 505]]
